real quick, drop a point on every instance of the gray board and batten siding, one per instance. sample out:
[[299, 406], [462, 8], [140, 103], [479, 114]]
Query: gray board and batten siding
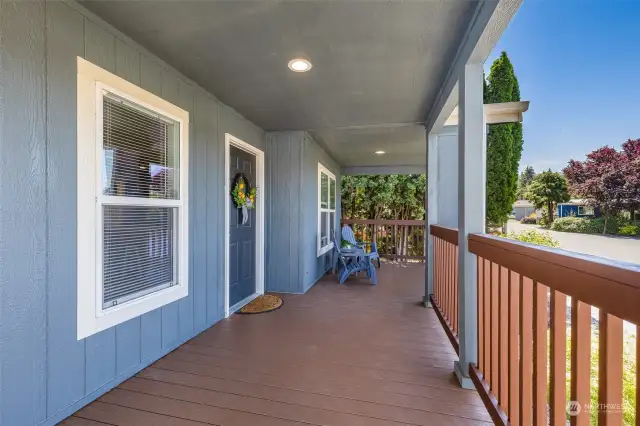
[[45, 372], [292, 158]]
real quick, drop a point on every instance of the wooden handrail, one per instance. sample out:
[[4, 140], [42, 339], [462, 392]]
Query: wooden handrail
[[382, 222], [603, 283], [450, 235], [445, 286], [522, 327]]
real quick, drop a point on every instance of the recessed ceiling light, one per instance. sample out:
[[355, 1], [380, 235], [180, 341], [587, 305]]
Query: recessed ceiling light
[[299, 65], [379, 152]]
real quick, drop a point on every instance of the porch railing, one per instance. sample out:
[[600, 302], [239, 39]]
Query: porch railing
[[401, 240], [445, 283], [537, 309]]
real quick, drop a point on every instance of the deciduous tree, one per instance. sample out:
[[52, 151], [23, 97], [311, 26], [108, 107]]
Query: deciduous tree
[[546, 190], [602, 180], [631, 152]]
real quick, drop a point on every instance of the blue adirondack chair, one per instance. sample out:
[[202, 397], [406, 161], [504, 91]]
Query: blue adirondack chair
[[348, 235], [349, 265]]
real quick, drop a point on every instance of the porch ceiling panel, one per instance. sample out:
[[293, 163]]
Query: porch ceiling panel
[[403, 145], [375, 63]]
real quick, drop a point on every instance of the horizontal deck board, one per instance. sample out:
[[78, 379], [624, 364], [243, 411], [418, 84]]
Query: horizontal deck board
[[338, 355], [362, 403]]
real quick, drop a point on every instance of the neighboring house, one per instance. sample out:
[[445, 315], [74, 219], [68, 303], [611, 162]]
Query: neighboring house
[[578, 208], [119, 240], [634, 216], [522, 208]]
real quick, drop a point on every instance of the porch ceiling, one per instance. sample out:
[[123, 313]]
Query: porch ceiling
[[378, 67]]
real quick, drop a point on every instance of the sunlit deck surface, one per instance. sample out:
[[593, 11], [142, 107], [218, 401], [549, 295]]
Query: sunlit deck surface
[[339, 355]]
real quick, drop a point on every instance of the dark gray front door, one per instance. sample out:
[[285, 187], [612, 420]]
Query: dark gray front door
[[242, 238]]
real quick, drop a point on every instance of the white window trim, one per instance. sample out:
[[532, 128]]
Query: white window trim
[[92, 318], [322, 169]]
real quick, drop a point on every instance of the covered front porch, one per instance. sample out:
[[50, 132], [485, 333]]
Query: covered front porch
[[377, 101], [337, 355]]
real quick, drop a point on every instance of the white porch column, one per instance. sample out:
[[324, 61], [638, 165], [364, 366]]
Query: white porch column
[[442, 189], [471, 210], [432, 211]]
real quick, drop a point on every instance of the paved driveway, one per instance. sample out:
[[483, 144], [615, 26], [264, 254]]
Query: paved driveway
[[613, 247]]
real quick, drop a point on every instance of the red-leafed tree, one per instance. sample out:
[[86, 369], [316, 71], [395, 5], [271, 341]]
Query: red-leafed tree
[[608, 179], [631, 150], [600, 179]]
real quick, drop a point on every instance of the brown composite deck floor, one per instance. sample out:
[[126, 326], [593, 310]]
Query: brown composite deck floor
[[338, 355]]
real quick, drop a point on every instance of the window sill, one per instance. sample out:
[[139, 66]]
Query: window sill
[[325, 249], [92, 321]]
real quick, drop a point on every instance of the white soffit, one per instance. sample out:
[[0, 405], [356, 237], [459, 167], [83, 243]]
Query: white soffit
[[505, 112]]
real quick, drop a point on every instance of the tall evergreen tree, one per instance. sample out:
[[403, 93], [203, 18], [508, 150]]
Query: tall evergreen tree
[[504, 144], [524, 180]]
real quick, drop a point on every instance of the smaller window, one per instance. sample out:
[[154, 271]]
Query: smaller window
[[326, 209], [585, 211]]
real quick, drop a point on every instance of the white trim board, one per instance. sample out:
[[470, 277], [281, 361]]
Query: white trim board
[[92, 317], [242, 303], [230, 140], [322, 169]]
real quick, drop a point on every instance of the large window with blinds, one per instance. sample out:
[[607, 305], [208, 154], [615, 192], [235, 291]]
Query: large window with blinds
[[132, 200], [326, 209]]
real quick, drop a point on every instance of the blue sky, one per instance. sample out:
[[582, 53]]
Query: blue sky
[[578, 62]]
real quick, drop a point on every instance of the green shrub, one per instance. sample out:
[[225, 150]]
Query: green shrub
[[631, 230], [544, 218], [534, 237], [577, 224], [588, 226]]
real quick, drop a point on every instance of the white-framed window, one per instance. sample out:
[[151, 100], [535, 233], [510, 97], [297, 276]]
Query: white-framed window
[[326, 209], [132, 200], [585, 211]]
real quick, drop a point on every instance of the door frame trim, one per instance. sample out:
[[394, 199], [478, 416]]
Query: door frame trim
[[230, 140]]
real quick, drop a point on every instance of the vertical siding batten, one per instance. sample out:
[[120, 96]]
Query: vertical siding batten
[[295, 149], [100, 367], [23, 229], [185, 306], [213, 282], [220, 221], [198, 185], [66, 355]]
